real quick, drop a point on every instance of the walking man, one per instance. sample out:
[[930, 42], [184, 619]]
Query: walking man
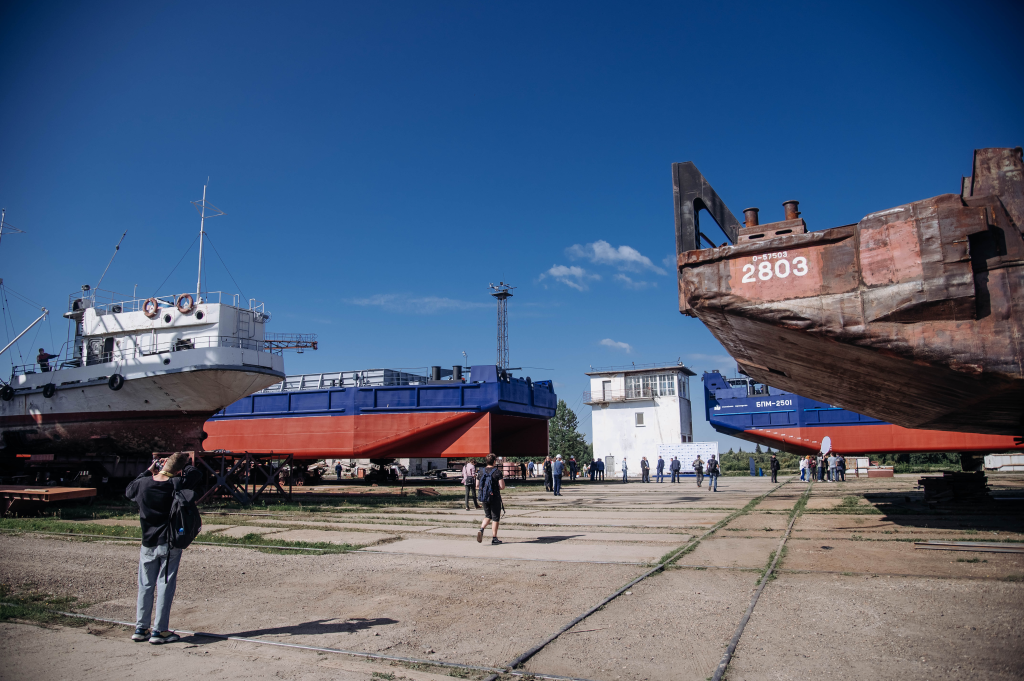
[[600, 471], [698, 469], [548, 485], [713, 472], [469, 482], [841, 467], [572, 468], [529, 467], [661, 469], [153, 491], [337, 470], [833, 464], [775, 467], [625, 471], [675, 466], [491, 484], [645, 470], [557, 469]]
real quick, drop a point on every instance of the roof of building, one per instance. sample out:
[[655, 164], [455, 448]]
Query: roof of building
[[641, 369]]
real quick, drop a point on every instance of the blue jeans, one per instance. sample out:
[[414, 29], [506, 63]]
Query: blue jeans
[[558, 484], [833, 475], [158, 570], [661, 475], [803, 473], [625, 476], [713, 482]]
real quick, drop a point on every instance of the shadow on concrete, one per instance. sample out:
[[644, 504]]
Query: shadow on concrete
[[314, 628]]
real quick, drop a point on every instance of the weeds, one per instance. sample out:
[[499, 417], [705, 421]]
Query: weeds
[[971, 560], [38, 607]]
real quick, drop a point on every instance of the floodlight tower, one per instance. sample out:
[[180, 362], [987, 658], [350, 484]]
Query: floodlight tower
[[502, 292]]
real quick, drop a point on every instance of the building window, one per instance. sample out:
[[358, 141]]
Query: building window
[[639, 416], [650, 385]]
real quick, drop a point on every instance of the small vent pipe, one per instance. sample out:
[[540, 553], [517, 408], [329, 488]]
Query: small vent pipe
[[750, 216], [791, 209]]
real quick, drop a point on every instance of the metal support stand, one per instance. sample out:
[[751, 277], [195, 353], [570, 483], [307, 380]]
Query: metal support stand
[[232, 474]]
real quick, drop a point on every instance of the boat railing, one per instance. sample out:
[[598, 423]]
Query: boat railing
[[638, 367], [111, 301], [352, 379], [70, 355], [639, 393]]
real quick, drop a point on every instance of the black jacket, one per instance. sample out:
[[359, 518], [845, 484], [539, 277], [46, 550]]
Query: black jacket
[[775, 464], [154, 500]]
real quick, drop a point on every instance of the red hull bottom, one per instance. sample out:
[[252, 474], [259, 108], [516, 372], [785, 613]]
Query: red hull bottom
[[383, 436], [880, 438], [123, 433]]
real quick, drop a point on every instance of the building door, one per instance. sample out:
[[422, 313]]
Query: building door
[[606, 390], [609, 465]]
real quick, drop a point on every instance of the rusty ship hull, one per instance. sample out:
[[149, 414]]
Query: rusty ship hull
[[914, 315]]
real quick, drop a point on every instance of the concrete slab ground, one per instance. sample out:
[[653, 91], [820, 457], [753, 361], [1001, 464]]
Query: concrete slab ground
[[519, 549], [353, 538], [854, 628], [674, 626], [419, 597], [638, 537], [239, 531], [897, 558]]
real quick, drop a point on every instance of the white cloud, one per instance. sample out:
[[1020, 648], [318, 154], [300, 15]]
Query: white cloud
[[618, 345], [670, 262], [394, 302], [572, 276], [625, 258], [635, 285]]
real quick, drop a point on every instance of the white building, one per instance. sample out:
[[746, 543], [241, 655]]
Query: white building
[[637, 408]]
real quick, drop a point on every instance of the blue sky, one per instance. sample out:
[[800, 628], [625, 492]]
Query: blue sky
[[380, 163]]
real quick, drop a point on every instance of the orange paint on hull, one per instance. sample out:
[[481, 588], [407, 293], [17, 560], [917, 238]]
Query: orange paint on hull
[[869, 439], [378, 436]]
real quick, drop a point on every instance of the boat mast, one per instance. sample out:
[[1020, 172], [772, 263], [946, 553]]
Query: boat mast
[[202, 220], [41, 318]]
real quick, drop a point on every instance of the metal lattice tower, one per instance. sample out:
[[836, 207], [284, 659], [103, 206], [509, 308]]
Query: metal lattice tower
[[502, 292]]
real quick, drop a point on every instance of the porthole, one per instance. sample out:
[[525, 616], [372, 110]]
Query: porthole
[[200, 314], [167, 318]]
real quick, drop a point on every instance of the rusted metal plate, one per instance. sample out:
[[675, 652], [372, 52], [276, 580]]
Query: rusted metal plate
[[45, 494], [915, 315]]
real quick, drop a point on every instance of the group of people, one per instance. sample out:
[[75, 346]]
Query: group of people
[[830, 468], [675, 467]]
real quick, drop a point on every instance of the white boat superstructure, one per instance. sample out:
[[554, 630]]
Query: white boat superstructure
[[140, 375]]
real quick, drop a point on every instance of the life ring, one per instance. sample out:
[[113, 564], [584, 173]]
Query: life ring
[[115, 382], [48, 390], [7, 393], [185, 303], [151, 308]]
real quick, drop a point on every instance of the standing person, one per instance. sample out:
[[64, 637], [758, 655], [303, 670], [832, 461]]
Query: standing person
[[572, 468], [821, 468], [625, 470], [153, 491], [548, 484], [645, 470], [593, 470], [674, 467], [469, 481], [337, 469], [491, 483], [557, 469], [529, 467], [775, 465], [833, 462], [600, 470], [522, 469], [661, 469], [803, 469], [841, 467], [43, 358], [713, 471], [698, 469]]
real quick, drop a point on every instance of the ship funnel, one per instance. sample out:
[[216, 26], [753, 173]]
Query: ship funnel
[[750, 216], [435, 373], [456, 373], [791, 209]]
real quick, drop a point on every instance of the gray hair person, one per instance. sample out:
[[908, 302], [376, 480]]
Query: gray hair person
[[153, 491]]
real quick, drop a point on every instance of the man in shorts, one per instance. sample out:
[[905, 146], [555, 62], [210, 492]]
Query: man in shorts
[[492, 504]]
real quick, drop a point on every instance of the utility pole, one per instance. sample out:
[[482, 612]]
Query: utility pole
[[502, 292]]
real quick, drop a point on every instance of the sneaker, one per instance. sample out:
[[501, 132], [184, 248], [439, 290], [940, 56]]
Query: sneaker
[[165, 637], [141, 634], [495, 540], [479, 536]]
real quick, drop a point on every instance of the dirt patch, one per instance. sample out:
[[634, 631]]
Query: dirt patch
[[760, 524], [353, 538], [732, 552], [883, 628]]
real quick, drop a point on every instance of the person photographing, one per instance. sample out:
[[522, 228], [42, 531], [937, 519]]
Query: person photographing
[[491, 483], [160, 492]]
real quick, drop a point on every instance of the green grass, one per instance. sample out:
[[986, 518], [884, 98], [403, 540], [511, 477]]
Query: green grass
[[971, 560], [76, 530], [33, 606], [850, 505]]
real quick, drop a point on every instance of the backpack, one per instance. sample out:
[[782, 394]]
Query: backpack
[[712, 467], [486, 486], [184, 523]]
